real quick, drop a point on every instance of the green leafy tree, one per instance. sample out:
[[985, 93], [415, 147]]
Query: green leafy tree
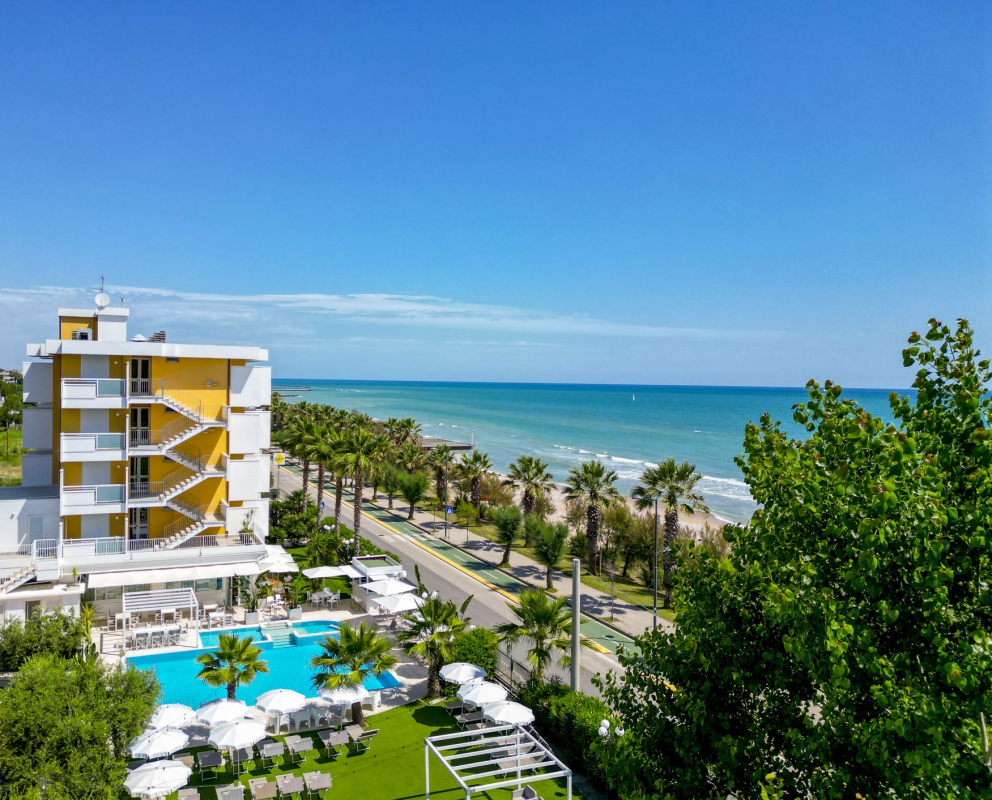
[[392, 478], [852, 653], [430, 634], [550, 544], [594, 484], [413, 489], [57, 633], [479, 646], [235, 662], [674, 487], [546, 623], [465, 513], [509, 523], [68, 722], [350, 657]]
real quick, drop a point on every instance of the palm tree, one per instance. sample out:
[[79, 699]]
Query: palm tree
[[359, 451], [411, 457], [595, 484], [392, 478], [546, 623], [550, 543], [508, 521], [351, 657], [408, 430], [317, 448], [430, 635], [532, 475], [441, 459], [473, 468], [234, 663], [673, 485], [413, 489]]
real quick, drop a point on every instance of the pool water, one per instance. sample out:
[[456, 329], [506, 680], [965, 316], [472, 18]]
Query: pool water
[[281, 634], [289, 666]]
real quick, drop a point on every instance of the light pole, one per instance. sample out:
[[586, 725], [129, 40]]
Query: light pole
[[655, 624]]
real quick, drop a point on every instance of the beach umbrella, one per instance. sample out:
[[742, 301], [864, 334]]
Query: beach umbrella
[[280, 701], [158, 743], [507, 713], [172, 715], [345, 694], [157, 779], [460, 672], [388, 586], [237, 735], [399, 603], [478, 694], [216, 712], [332, 572]]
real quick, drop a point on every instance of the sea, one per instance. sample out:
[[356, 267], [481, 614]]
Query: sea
[[629, 428]]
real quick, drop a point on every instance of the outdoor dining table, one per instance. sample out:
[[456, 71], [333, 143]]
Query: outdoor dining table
[[165, 630], [210, 760], [215, 616], [289, 784], [333, 739]]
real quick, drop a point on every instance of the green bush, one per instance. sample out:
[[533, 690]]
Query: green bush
[[60, 633], [569, 721], [478, 647]]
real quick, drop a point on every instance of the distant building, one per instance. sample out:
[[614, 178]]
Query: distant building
[[144, 467]]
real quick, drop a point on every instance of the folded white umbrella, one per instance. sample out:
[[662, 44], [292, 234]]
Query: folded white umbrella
[[224, 710], [345, 693], [158, 743], [236, 735], [280, 701], [460, 672], [507, 713], [172, 715], [157, 779], [400, 603], [478, 694], [388, 586]]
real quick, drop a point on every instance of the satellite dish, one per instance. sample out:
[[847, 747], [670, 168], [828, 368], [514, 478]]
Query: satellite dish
[[102, 300]]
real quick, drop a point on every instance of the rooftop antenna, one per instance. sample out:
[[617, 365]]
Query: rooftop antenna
[[122, 301], [102, 299]]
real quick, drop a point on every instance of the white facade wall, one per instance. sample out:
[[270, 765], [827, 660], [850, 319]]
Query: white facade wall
[[235, 515], [37, 382], [22, 519], [251, 387], [249, 432], [37, 429], [36, 469], [247, 478]]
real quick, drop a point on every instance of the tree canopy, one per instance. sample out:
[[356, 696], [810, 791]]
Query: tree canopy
[[844, 645]]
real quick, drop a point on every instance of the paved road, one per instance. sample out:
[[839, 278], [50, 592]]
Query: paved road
[[489, 606]]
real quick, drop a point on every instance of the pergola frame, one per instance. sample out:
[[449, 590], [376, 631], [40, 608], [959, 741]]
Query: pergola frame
[[488, 747], [158, 599]]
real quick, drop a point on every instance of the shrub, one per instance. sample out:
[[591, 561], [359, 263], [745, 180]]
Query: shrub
[[479, 647], [60, 633]]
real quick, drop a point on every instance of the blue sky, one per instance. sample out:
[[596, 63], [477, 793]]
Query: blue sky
[[580, 192]]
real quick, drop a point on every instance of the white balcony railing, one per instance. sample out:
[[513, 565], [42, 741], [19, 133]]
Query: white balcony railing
[[91, 446], [119, 546], [92, 388], [106, 499]]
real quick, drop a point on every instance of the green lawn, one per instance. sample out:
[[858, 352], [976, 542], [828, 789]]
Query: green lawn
[[10, 457], [392, 769]]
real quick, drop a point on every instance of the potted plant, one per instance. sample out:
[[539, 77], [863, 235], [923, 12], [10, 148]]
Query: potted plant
[[296, 593], [251, 592]]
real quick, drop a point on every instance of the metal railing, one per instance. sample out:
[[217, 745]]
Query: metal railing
[[45, 548], [142, 490], [119, 545], [510, 672], [15, 550], [184, 400], [148, 437], [145, 437]]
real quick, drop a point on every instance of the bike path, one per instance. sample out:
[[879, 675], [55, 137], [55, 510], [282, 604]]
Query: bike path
[[604, 636]]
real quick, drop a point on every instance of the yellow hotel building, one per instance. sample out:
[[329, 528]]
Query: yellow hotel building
[[145, 467]]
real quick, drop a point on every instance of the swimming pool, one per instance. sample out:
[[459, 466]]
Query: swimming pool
[[279, 633], [289, 666]]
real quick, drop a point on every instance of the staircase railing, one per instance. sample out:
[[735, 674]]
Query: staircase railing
[[178, 427]]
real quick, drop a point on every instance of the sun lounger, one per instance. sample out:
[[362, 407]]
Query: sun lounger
[[209, 761], [263, 789], [364, 742], [233, 792], [187, 759], [527, 793], [454, 705], [289, 784], [465, 719], [316, 783], [300, 748], [240, 759], [191, 794], [332, 740], [271, 752]]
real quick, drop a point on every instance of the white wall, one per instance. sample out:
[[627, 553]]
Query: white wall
[[37, 382], [14, 513], [237, 514], [36, 469], [249, 432], [247, 478], [94, 366], [251, 387], [38, 428]]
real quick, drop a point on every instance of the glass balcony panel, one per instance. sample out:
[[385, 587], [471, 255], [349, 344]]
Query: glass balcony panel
[[113, 493], [109, 387]]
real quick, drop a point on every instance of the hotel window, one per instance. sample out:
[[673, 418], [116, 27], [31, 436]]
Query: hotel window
[[211, 585], [116, 592]]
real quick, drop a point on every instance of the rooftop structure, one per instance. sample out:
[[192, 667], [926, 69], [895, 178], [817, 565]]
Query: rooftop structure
[[144, 466]]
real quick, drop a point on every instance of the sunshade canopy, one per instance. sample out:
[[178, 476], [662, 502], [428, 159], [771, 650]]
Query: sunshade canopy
[[388, 586], [157, 779], [400, 603], [460, 672], [332, 572], [238, 734], [218, 711], [158, 743], [172, 715], [280, 701], [507, 713], [478, 694], [345, 693]]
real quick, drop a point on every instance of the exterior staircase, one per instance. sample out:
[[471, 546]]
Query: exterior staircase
[[10, 582]]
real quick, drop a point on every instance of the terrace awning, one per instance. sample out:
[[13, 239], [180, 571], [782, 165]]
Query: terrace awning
[[101, 580]]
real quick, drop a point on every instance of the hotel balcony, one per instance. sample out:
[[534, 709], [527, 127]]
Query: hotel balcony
[[117, 552], [93, 447], [86, 393], [106, 499]]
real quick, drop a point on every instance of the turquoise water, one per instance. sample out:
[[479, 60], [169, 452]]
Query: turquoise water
[[627, 427], [308, 628], [289, 668]]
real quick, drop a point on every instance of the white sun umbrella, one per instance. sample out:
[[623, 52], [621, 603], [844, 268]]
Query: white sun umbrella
[[507, 713], [345, 694], [158, 743], [400, 603], [280, 701], [460, 672], [388, 586], [172, 715], [481, 693], [216, 712], [237, 735], [157, 779]]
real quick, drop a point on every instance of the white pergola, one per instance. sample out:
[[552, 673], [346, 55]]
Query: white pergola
[[509, 754], [158, 600]]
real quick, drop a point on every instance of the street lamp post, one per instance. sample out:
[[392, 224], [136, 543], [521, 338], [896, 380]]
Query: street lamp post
[[655, 624]]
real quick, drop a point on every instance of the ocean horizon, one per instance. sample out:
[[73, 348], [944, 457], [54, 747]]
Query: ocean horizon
[[629, 427]]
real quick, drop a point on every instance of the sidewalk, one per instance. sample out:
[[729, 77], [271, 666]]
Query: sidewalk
[[627, 617]]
